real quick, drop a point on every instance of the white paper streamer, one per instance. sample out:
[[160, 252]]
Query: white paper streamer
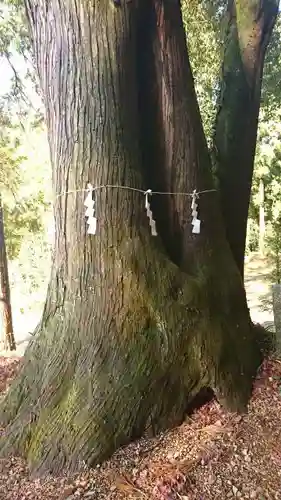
[[90, 211], [195, 221], [196, 226], [152, 222]]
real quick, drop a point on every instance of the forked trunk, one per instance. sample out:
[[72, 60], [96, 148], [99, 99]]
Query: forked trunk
[[6, 323], [133, 326], [249, 30]]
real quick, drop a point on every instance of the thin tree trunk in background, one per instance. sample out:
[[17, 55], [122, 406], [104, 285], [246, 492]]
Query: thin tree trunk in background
[[250, 25], [276, 302], [132, 328], [261, 218], [6, 323]]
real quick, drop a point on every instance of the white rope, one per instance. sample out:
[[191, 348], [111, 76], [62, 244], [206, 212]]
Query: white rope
[[149, 191], [90, 203]]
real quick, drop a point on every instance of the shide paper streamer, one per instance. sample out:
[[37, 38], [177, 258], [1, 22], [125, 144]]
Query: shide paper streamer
[[90, 203], [194, 206], [90, 211]]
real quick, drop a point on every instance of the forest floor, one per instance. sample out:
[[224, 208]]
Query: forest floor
[[213, 455]]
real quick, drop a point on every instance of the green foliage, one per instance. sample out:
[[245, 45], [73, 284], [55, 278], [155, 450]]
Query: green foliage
[[21, 178], [13, 29], [252, 236], [204, 26], [271, 91], [25, 183], [24, 204], [268, 164], [268, 155], [20, 219], [14, 41], [29, 276], [274, 250]]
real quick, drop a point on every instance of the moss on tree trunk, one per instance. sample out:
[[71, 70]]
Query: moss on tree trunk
[[250, 24], [133, 326]]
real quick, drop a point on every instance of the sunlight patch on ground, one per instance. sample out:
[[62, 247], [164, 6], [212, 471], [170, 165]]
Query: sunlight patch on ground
[[258, 288]]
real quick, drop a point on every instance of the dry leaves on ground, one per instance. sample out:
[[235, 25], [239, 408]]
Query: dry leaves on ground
[[213, 455]]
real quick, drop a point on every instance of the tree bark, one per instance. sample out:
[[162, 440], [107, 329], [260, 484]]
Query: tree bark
[[5, 300], [133, 325], [173, 139], [250, 24]]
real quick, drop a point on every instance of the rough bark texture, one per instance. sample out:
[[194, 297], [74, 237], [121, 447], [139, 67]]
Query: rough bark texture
[[133, 326], [6, 322], [172, 137], [249, 30]]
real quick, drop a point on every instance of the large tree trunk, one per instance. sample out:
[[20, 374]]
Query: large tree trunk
[[6, 322], [249, 30], [133, 326]]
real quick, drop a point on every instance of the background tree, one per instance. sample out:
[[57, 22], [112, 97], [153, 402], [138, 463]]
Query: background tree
[[6, 322], [206, 49], [249, 30], [267, 160], [24, 209], [9, 173], [24, 172], [133, 326]]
